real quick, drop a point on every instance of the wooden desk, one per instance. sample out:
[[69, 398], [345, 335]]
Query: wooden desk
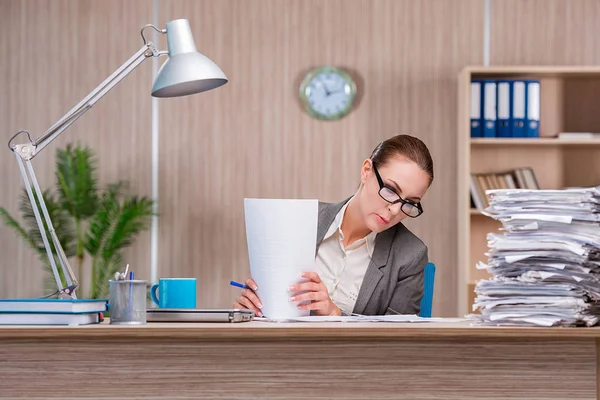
[[328, 360]]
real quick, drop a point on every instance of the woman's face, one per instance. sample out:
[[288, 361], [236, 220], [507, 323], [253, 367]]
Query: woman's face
[[403, 177]]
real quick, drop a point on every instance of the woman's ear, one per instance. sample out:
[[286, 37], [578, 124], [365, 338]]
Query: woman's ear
[[366, 169]]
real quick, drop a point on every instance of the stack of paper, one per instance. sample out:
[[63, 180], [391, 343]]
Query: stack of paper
[[545, 266], [282, 237]]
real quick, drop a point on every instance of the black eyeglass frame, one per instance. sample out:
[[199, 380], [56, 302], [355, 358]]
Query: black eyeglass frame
[[382, 186]]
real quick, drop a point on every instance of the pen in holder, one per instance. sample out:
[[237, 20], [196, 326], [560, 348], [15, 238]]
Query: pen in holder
[[131, 293], [127, 300]]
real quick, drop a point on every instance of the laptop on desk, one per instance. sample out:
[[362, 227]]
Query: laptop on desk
[[198, 315]]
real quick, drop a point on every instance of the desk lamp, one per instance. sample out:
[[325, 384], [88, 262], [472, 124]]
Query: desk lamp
[[185, 72]]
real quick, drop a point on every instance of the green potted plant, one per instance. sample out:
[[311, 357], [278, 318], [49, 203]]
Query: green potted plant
[[94, 225]]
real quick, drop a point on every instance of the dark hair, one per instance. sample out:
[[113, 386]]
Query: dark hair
[[406, 146]]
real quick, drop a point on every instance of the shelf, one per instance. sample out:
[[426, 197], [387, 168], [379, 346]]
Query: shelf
[[568, 100], [541, 70], [534, 142]]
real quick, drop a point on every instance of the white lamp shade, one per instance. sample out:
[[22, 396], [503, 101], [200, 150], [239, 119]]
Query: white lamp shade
[[186, 71]]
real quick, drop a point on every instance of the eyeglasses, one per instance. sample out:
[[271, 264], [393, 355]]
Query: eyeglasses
[[388, 194]]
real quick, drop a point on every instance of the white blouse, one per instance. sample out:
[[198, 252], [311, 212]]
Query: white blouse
[[342, 270]]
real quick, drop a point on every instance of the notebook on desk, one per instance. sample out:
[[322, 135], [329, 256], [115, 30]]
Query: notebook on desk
[[198, 315], [31, 318], [24, 305]]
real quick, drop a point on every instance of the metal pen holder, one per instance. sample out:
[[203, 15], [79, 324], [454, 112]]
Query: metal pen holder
[[127, 302]]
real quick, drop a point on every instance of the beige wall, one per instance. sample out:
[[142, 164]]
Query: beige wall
[[545, 32], [250, 138]]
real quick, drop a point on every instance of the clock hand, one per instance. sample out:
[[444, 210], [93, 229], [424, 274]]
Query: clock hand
[[327, 93]]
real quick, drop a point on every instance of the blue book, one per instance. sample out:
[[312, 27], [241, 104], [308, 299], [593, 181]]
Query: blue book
[[28, 318], [503, 102], [475, 110], [518, 107], [488, 109], [52, 306], [532, 109]]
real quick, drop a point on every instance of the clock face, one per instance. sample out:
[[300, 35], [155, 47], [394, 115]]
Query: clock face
[[328, 93]]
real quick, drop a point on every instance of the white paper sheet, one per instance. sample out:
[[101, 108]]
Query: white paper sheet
[[366, 318], [281, 236], [565, 219]]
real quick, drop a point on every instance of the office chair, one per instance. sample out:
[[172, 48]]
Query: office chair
[[427, 299]]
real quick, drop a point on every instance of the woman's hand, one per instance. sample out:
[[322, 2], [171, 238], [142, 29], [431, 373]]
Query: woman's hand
[[316, 293], [248, 298]]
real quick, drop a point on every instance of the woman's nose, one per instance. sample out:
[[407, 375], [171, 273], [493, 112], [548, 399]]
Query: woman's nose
[[395, 208]]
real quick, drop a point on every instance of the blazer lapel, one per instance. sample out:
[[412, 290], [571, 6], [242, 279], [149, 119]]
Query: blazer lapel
[[327, 213], [383, 245]]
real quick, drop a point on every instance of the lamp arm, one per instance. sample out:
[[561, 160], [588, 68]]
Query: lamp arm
[[25, 152], [28, 176], [29, 150]]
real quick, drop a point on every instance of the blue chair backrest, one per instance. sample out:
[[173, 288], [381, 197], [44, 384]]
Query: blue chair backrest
[[427, 299]]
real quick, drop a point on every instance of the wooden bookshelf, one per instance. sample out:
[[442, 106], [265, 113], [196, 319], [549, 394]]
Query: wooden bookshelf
[[533, 142], [569, 98]]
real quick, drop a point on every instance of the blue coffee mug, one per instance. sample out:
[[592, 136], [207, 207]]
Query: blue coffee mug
[[175, 293]]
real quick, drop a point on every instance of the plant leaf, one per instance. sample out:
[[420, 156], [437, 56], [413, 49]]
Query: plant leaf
[[77, 181], [104, 271], [115, 190], [115, 226], [31, 235], [10, 222], [135, 217], [107, 213]]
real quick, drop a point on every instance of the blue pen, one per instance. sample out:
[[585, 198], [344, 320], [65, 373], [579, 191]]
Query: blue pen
[[131, 294], [237, 284]]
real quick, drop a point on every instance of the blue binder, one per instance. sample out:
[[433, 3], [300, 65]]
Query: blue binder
[[476, 128], [532, 109], [488, 111], [518, 107], [503, 103]]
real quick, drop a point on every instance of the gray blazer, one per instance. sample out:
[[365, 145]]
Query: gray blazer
[[393, 283]]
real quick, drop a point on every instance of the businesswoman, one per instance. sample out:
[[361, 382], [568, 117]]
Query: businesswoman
[[367, 261]]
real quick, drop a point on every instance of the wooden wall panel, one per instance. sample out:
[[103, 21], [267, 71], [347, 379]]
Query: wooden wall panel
[[250, 138], [54, 54], [544, 32]]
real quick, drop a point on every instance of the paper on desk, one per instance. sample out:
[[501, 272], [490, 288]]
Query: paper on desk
[[281, 236], [313, 318], [366, 318], [410, 318]]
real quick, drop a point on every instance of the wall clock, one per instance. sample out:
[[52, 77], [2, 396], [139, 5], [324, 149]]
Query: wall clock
[[328, 93]]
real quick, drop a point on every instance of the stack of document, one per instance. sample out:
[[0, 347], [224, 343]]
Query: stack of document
[[545, 265]]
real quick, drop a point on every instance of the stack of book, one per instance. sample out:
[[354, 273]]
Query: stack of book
[[51, 311], [545, 266], [519, 178]]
